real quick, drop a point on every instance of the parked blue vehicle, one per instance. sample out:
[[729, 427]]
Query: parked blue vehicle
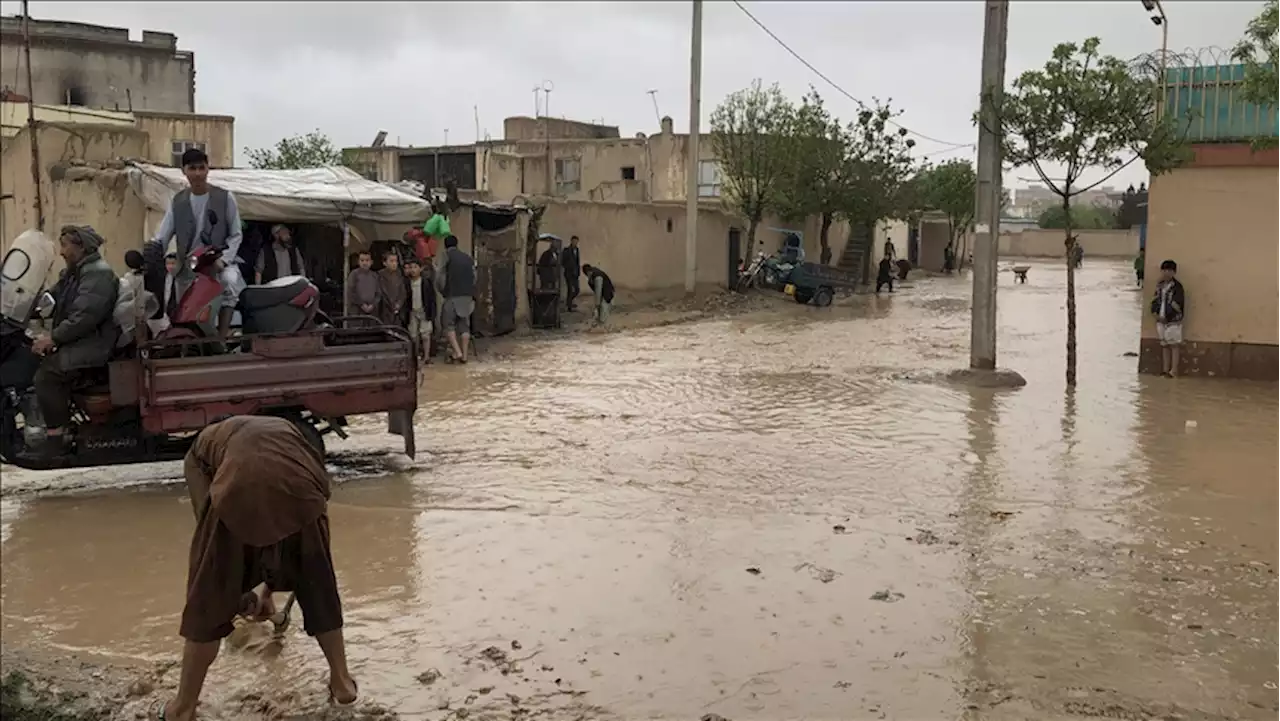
[[818, 283]]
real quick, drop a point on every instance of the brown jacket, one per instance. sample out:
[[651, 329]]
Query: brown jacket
[[260, 476]]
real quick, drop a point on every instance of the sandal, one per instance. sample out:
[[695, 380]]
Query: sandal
[[333, 701]]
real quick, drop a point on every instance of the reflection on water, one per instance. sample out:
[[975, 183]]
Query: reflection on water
[[699, 519]]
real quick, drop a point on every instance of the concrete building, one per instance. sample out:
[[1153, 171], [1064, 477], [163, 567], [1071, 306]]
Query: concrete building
[[1216, 217], [94, 139], [553, 157], [577, 161], [1031, 201], [169, 134], [99, 67]]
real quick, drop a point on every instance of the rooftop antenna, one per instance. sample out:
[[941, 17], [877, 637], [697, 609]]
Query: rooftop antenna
[[547, 87], [653, 95], [536, 110], [476, 109], [446, 136]]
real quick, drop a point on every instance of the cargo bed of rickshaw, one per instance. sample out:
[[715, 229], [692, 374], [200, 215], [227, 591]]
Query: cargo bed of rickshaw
[[317, 377]]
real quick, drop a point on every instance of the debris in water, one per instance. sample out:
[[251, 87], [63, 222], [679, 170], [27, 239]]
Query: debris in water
[[515, 646], [887, 596], [838, 529], [1003, 515], [1130, 354], [494, 654], [753, 570], [713, 717], [826, 575], [925, 537], [842, 684], [430, 676]]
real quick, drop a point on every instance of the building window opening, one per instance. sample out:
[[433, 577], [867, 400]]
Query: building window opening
[[709, 181], [180, 147], [629, 173], [568, 176]]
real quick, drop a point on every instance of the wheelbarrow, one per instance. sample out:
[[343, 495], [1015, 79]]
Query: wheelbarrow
[[1020, 273]]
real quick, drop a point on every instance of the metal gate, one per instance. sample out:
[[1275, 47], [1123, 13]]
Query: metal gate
[[495, 242]]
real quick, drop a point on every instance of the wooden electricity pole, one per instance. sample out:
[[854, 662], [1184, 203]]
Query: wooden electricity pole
[[31, 115]]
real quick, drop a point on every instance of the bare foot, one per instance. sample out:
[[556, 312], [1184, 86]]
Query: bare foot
[[171, 712]]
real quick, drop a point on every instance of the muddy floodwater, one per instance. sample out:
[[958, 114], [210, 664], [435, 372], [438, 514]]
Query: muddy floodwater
[[777, 516]]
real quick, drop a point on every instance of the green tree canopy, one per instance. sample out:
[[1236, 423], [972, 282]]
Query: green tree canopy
[[751, 134], [1082, 111], [952, 189], [1257, 50], [1083, 217], [313, 150]]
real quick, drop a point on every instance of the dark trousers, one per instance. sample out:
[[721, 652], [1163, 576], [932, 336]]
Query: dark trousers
[[882, 282], [53, 392], [571, 288]]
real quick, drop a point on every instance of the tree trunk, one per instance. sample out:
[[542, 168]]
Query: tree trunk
[[823, 234], [750, 251], [1070, 244]]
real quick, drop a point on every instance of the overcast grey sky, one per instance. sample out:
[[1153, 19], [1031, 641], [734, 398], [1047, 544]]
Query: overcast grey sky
[[415, 69]]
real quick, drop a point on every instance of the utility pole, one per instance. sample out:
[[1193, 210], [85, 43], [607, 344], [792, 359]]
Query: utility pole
[[691, 162], [982, 338], [31, 115]]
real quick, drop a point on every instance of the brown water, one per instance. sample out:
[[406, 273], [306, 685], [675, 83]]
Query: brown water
[[694, 519]]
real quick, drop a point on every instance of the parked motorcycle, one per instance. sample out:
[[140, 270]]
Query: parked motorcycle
[[285, 305], [753, 274]]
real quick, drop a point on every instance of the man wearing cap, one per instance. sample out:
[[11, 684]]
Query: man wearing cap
[[279, 259], [84, 330]]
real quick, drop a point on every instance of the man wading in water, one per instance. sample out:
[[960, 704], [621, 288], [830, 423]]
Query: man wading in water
[[260, 494]]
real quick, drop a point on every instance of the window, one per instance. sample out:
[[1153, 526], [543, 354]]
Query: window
[[568, 175], [629, 173], [180, 147], [708, 179]]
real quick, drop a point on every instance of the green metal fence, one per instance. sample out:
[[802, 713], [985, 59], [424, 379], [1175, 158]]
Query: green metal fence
[[1209, 98]]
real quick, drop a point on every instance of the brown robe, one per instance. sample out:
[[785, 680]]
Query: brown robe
[[391, 285], [260, 494]]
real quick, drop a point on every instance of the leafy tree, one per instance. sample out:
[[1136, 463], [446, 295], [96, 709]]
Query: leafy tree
[[952, 188], [313, 150], [820, 171], [1257, 50], [1082, 110], [752, 138], [882, 168], [1082, 218]]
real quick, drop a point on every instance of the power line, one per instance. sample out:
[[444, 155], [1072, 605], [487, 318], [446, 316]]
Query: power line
[[833, 83]]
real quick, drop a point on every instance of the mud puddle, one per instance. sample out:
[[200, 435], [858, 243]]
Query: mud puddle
[[578, 538]]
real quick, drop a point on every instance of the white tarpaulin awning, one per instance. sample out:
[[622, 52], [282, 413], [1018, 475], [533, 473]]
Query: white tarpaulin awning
[[312, 195]]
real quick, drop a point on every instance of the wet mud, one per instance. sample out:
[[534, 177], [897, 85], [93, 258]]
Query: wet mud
[[789, 513]]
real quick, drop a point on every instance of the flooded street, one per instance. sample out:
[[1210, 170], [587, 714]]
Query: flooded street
[[782, 515]]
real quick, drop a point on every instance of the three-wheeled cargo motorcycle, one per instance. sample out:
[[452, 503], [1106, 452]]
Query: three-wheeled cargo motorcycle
[[157, 392]]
